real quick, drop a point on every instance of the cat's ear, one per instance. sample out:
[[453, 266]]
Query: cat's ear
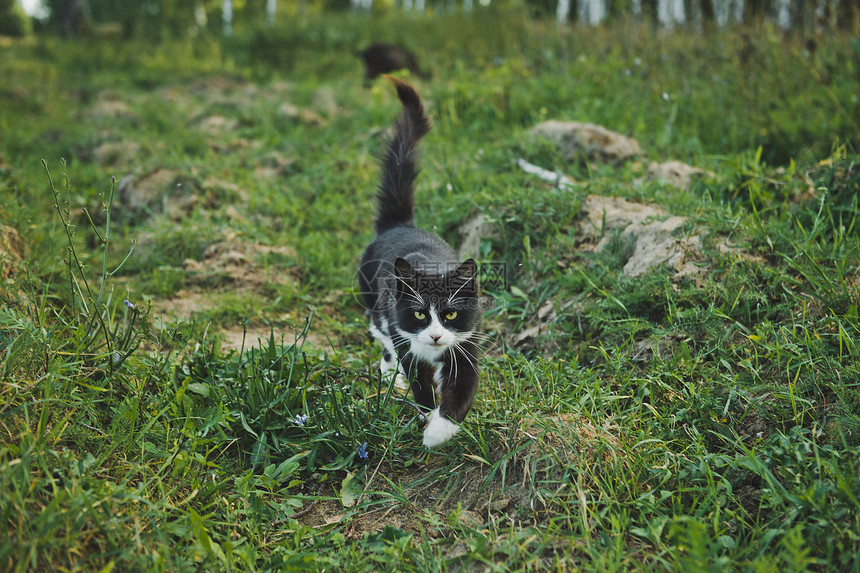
[[466, 276], [469, 269], [405, 276], [403, 269]]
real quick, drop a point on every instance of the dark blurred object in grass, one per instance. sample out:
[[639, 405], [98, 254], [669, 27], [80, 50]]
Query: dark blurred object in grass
[[386, 58]]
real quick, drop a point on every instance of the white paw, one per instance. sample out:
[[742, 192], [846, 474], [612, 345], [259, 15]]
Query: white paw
[[439, 430]]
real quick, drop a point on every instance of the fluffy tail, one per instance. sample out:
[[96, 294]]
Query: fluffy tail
[[396, 194]]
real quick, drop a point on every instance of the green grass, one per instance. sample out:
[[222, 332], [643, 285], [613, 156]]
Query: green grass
[[702, 422]]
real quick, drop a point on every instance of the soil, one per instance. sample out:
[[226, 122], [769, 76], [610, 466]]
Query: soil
[[232, 264]]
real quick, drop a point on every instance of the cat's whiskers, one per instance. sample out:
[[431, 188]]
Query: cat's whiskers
[[456, 301], [416, 299], [414, 294], [419, 302], [486, 341], [470, 358], [468, 281]]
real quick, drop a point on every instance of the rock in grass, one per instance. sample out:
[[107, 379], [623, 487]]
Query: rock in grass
[[676, 173], [586, 141], [472, 231], [652, 237]]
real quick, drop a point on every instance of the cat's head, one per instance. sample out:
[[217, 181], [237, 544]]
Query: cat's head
[[437, 306]]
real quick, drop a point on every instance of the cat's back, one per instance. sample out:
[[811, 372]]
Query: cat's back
[[410, 243]]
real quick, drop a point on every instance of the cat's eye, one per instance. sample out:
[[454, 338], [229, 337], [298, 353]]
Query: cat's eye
[[451, 315], [420, 315]]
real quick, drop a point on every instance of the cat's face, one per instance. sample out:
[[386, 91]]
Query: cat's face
[[436, 310]]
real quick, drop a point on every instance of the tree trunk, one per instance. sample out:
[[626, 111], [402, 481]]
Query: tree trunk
[[227, 17], [707, 9], [754, 11], [562, 12], [72, 17]]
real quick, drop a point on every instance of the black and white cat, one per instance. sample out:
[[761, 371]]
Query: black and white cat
[[424, 304]]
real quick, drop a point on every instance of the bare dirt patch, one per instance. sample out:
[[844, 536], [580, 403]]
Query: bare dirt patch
[[111, 153], [11, 251], [109, 106], [239, 263], [217, 124], [274, 165], [156, 191], [236, 266]]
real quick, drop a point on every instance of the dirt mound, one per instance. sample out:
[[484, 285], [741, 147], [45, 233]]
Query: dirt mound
[[274, 165], [305, 116], [586, 141], [11, 251], [111, 153], [158, 190], [217, 124], [109, 106], [238, 263]]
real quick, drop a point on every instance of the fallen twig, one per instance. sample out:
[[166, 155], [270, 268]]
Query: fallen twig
[[417, 409], [558, 179]]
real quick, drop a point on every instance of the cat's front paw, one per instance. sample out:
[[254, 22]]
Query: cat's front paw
[[439, 430]]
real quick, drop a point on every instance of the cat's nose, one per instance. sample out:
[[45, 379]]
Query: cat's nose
[[435, 337]]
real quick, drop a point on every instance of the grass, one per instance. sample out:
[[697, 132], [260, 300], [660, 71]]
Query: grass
[[699, 422]]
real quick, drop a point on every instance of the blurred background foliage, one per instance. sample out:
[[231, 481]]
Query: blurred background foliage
[[159, 19]]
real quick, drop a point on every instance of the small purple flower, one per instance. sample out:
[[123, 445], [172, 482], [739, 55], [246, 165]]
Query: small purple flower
[[129, 304], [301, 419], [116, 357], [362, 451]]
